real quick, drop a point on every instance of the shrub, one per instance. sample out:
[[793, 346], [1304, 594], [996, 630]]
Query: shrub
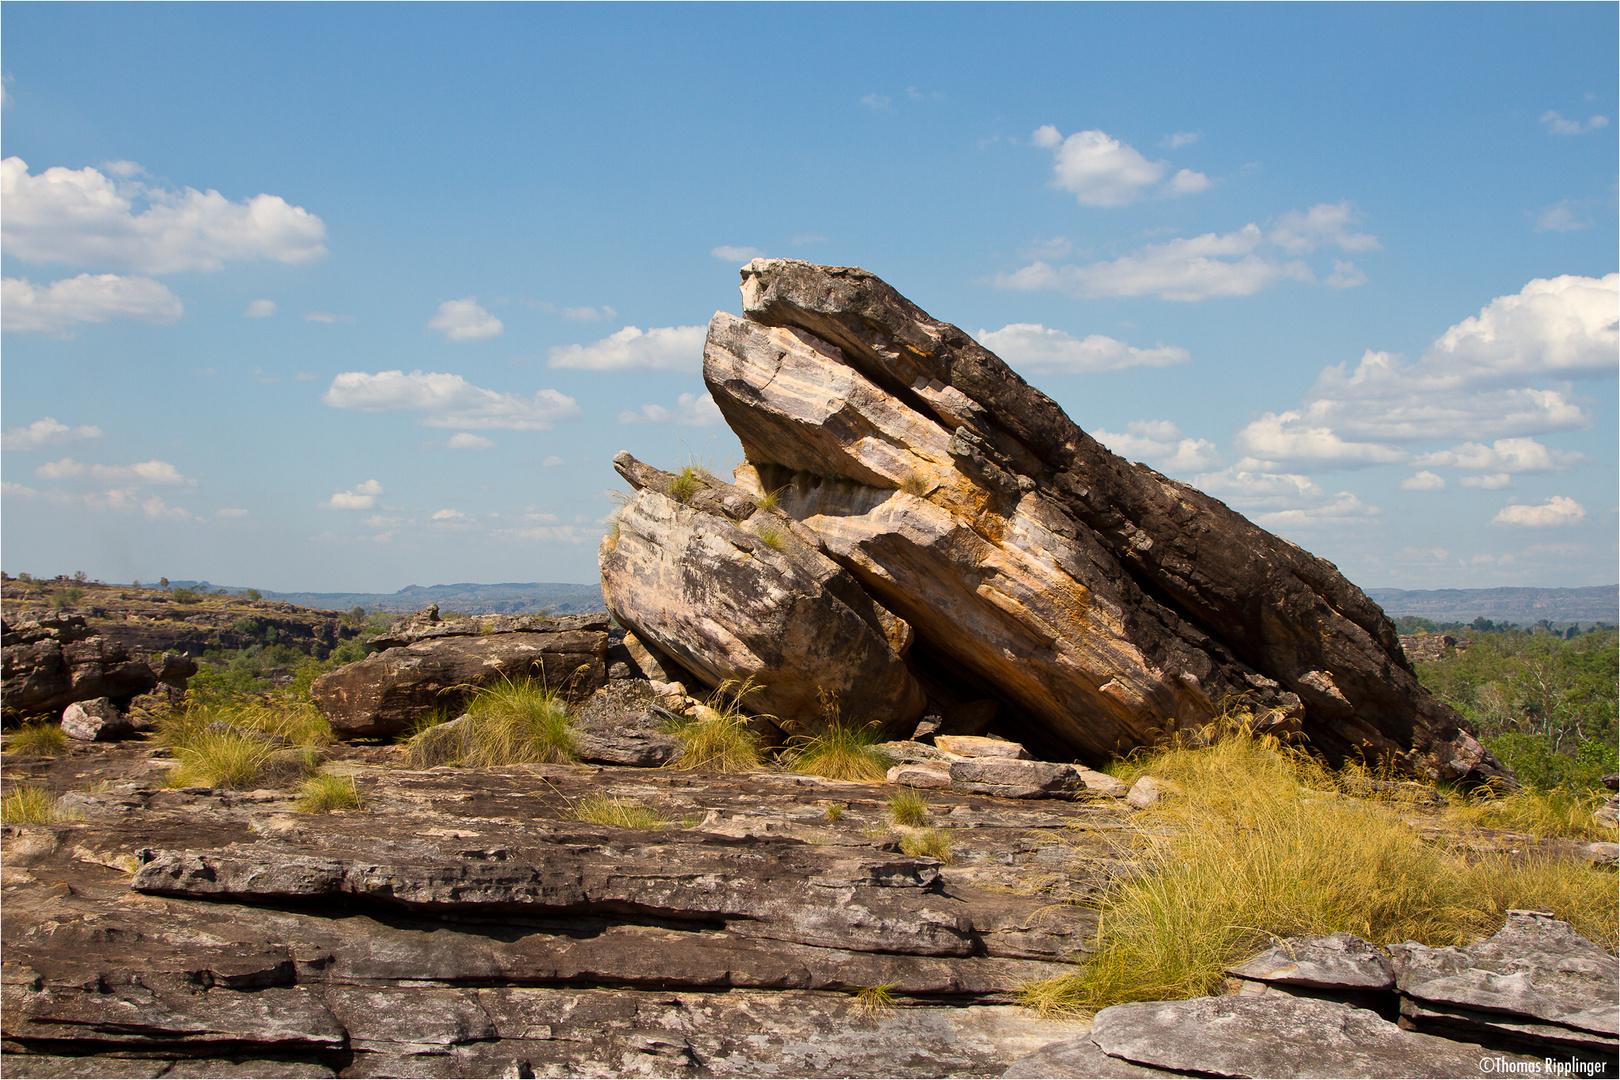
[[719, 737], [930, 843], [30, 806], [840, 751], [323, 793], [512, 722], [1261, 845], [38, 739], [622, 813], [254, 595], [183, 596], [908, 807]]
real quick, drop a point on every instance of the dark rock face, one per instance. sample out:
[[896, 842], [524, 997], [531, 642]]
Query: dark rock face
[[54, 660], [387, 692], [95, 721], [1103, 602]]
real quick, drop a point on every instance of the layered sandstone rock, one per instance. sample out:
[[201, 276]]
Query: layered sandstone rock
[[730, 591], [1104, 604]]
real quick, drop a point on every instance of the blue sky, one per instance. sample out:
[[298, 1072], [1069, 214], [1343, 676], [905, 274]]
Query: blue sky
[[351, 297]]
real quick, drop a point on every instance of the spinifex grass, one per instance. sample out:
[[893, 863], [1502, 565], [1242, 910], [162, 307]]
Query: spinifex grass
[[1262, 844], [323, 793], [511, 722], [908, 807], [1558, 812], [37, 740], [621, 813], [874, 1001], [720, 736], [840, 751], [30, 806], [933, 843]]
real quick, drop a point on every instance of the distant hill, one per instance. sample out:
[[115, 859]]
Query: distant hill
[[505, 598], [1596, 603]]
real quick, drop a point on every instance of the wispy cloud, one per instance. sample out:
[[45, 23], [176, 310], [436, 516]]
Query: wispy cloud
[[1557, 125], [449, 401], [59, 308], [736, 254], [46, 432], [663, 348], [1033, 347]]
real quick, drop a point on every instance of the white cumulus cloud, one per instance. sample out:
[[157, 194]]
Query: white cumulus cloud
[[85, 218], [691, 410], [466, 440], [663, 348], [1033, 347], [360, 497], [1323, 225], [1479, 379], [449, 401], [1102, 171], [1424, 481], [1161, 444], [46, 432], [464, 320], [56, 309], [1558, 510]]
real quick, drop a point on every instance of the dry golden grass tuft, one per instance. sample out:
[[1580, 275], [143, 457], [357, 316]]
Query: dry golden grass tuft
[[37, 740], [621, 813], [840, 751], [720, 737], [1263, 843]]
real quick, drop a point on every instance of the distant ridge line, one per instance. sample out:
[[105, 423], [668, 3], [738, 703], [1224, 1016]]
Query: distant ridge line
[[1516, 604]]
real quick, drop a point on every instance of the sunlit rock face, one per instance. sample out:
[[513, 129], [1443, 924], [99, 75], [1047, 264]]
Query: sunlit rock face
[[1104, 604], [735, 592]]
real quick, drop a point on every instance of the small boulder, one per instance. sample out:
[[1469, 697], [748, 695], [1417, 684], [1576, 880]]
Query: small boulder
[[1609, 813], [1603, 854], [977, 746], [1013, 778], [1101, 784], [1149, 791], [1333, 961], [96, 720], [921, 774]]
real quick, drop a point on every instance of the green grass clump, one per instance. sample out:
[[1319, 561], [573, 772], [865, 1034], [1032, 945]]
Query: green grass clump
[[221, 759], [908, 807], [38, 740], [840, 751], [687, 482], [1558, 812], [874, 1001], [323, 793], [929, 843], [1262, 844], [30, 806], [771, 537], [835, 811], [622, 813], [720, 737], [515, 721]]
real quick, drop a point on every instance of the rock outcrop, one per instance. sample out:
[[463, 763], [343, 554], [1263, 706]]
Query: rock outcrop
[[51, 661], [440, 665], [1103, 604], [731, 590]]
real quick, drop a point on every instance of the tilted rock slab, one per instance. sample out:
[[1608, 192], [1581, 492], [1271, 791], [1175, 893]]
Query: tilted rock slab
[[1535, 980], [1109, 603], [387, 692], [731, 591], [1278, 1036]]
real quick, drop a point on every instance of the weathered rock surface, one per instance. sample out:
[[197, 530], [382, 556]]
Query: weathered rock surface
[[1012, 778], [1536, 978], [975, 746], [388, 691], [732, 591], [51, 661], [1103, 603], [464, 925], [1336, 961], [1275, 1037]]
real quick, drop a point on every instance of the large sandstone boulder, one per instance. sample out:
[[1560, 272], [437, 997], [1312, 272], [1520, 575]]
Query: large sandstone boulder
[[731, 591], [1107, 604], [51, 661], [388, 691]]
